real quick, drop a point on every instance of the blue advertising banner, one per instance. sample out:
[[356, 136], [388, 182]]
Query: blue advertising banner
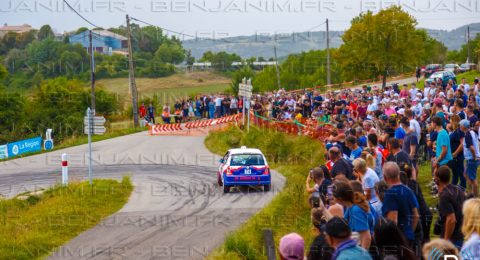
[[3, 151], [25, 146]]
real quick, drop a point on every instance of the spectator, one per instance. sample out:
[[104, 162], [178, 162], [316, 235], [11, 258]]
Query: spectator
[[151, 113], [471, 153], [319, 249], [318, 191], [443, 152], [142, 110], [410, 145], [340, 165], [390, 242], [399, 203], [457, 138], [438, 249], [471, 229], [378, 153], [291, 247], [368, 178], [396, 154], [425, 213], [451, 199], [338, 236], [357, 211], [352, 144]]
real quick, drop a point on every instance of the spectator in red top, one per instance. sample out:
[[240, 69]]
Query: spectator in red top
[[142, 110]]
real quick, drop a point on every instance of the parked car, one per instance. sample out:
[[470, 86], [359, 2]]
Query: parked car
[[452, 68], [243, 167], [467, 67], [432, 68], [444, 75]]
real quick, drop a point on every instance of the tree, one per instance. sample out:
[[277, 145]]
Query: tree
[[434, 51], [81, 29], [3, 72], [189, 59], [170, 52], [45, 32], [381, 44], [221, 61]]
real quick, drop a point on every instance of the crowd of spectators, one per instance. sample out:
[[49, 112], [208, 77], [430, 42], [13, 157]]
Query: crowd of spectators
[[366, 201]]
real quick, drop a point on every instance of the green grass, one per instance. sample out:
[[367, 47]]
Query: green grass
[[292, 156], [33, 228], [168, 89]]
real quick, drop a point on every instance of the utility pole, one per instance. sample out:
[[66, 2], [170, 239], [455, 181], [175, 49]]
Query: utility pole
[[328, 54], [131, 73], [468, 44], [276, 64], [92, 74]]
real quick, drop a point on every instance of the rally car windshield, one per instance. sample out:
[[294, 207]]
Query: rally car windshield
[[247, 159]]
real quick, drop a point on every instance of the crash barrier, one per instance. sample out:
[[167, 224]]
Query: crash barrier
[[308, 127], [166, 128]]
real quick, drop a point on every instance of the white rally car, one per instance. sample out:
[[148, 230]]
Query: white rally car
[[243, 167]]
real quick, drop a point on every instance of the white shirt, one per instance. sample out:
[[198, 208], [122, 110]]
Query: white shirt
[[413, 93], [416, 126], [426, 90], [218, 101]]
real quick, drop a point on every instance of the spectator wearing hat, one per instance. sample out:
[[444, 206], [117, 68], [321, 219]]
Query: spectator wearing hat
[[451, 198], [471, 153], [399, 202], [338, 236], [291, 247]]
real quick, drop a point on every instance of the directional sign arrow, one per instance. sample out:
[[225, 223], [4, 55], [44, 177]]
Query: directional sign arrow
[[96, 130], [97, 120]]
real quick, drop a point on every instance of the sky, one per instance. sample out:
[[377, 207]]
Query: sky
[[225, 18]]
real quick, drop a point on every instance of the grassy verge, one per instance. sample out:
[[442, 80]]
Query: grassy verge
[[33, 228], [293, 156]]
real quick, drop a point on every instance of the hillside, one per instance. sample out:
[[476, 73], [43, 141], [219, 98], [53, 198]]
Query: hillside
[[170, 88], [262, 45]]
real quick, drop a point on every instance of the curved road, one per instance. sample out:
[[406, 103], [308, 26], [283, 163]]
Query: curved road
[[176, 210]]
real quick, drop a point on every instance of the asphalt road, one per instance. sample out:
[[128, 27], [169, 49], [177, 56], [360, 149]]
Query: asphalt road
[[176, 210]]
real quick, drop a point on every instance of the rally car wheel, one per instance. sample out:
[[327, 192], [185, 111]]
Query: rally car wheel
[[266, 187], [226, 189]]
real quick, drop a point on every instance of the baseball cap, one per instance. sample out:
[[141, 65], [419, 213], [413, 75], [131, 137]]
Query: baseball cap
[[338, 228], [465, 123], [437, 101], [292, 247]]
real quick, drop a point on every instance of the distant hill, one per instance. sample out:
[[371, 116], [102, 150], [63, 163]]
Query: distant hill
[[262, 45]]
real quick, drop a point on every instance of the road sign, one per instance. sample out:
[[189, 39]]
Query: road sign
[[96, 120], [96, 130]]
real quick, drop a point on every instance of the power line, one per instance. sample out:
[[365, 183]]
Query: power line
[[180, 33], [85, 19]]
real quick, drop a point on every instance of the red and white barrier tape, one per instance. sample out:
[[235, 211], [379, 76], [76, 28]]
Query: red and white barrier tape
[[159, 128]]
